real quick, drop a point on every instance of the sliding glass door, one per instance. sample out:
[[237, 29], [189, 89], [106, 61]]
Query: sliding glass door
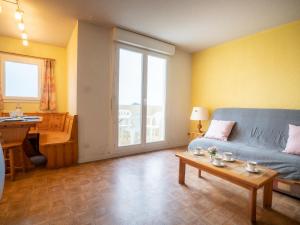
[[141, 97], [130, 97], [156, 89]]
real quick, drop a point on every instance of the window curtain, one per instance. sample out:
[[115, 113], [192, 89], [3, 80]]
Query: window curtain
[[48, 98]]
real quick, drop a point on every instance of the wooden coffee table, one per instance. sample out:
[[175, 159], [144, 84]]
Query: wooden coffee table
[[234, 172]]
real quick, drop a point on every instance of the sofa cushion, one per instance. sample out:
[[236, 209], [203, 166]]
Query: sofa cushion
[[38, 160], [219, 129], [293, 143], [287, 165]]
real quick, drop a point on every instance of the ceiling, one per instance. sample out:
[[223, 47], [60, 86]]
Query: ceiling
[[190, 24]]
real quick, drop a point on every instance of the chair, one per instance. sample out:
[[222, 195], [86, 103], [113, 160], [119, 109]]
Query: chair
[[12, 138], [10, 151]]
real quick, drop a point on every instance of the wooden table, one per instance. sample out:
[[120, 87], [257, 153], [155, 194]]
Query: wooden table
[[12, 132], [234, 172]]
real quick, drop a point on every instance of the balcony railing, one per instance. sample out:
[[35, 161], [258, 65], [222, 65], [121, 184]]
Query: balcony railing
[[130, 123]]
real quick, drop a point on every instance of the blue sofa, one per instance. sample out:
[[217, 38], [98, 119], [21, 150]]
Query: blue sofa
[[259, 135]]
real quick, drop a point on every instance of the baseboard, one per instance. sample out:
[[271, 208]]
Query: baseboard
[[103, 156]]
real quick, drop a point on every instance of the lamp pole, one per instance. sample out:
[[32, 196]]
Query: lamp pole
[[200, 127]]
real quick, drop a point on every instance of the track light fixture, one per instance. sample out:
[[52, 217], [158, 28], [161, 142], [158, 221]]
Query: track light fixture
[[19, 16]]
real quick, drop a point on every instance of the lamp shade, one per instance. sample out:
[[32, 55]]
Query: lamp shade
[[199, 113]]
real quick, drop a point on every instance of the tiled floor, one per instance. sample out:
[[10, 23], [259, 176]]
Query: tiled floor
[[141, 189]]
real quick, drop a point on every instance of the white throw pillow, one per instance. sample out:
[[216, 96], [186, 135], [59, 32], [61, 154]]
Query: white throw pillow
[[293, 142], [219, 129]]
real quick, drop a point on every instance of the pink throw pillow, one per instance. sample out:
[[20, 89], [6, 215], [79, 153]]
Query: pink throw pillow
[[293, 142], [219, 129]]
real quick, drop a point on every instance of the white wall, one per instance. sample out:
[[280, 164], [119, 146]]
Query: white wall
[[72, 71], [94, 93], [179, 97], [93, 90]]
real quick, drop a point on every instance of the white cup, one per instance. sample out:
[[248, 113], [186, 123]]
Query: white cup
[[218, 160], [227, 156], [198, 151], [251, 165]]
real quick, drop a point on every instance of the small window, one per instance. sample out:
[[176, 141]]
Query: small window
[[21, 79]]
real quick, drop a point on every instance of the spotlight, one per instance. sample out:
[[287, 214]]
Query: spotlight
[[19, 14], [25, 42], [21, 26], [24, 35]]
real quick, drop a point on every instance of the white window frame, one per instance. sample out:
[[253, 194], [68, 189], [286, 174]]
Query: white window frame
[[144, 145], [24, 60]]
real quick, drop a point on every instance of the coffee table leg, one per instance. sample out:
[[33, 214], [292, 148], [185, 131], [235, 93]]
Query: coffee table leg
[[199, 173], [252, 204], [181, 171], [267, 199]]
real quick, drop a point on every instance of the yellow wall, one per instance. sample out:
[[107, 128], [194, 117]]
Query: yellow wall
[[258, 71], [40, 50]]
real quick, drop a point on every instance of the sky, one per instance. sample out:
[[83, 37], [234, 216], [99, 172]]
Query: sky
[[130, 78]]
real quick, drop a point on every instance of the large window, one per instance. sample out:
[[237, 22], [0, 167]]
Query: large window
[[141, 97], [21, 78]]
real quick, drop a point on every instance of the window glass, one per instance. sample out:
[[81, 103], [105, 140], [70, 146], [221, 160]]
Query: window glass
[[21, 80], [130, 97], [156, 89]]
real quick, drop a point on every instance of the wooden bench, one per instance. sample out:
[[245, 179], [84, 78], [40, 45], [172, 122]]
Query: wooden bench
[[58, 138]]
